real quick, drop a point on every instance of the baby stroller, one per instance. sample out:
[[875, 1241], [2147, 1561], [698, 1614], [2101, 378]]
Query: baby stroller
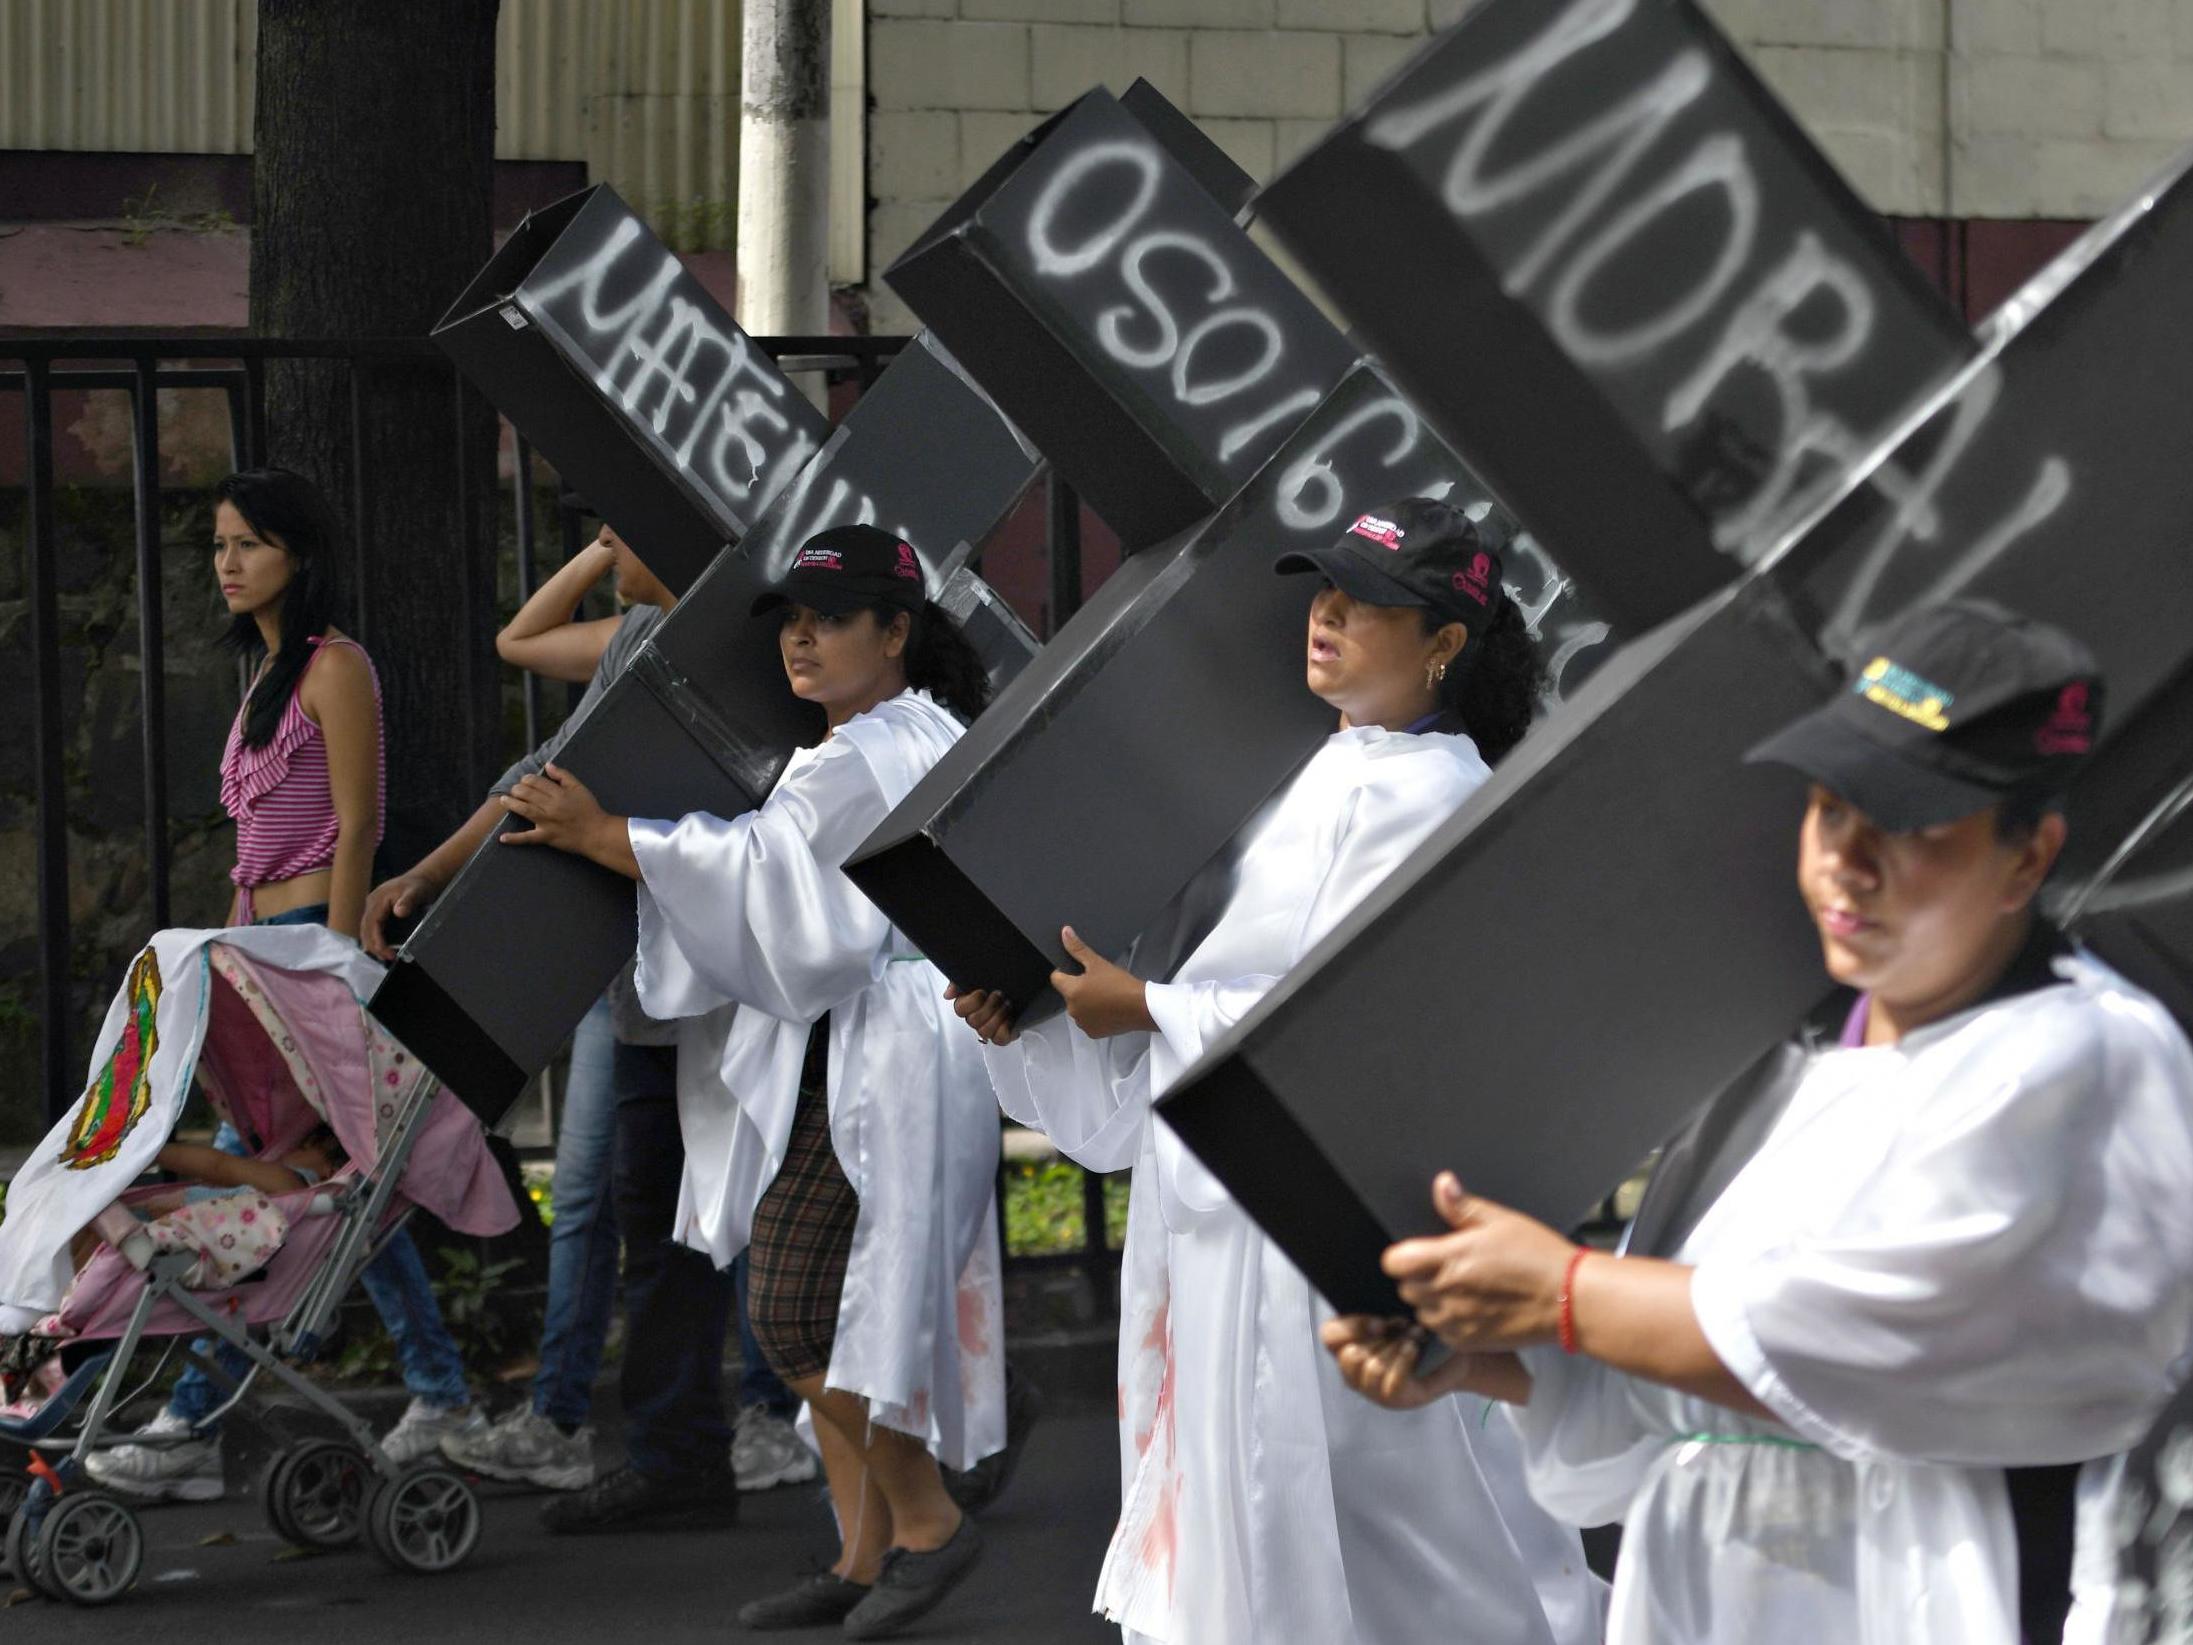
[[270, 1023]]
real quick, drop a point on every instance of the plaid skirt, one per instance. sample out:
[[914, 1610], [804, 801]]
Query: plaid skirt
[[803, 1234]]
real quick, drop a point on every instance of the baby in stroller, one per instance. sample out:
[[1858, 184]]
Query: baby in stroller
[[26, 1381], [29, 1375], [350, 1131], [215, 1173]]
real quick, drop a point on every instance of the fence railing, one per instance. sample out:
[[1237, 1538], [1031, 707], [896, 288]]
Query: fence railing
[[142, 365]]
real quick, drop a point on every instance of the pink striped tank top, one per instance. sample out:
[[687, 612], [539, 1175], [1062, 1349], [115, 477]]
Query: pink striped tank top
[[285, 815]]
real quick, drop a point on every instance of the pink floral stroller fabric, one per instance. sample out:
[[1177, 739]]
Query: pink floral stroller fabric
[[270, 1022]]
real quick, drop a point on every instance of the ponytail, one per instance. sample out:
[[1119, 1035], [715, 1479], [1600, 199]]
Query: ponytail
[[1496, 688], [941, 660]]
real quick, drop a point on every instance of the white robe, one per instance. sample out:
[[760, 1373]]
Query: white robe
[[1262, 1503], [749, 932], [1967, 1251]]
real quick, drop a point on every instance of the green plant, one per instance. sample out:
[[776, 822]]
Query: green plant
[[1043, 1208], [487, 1322], [694, 224], [478, 1314], [540, 1188], [140, 217], [368, 1352]]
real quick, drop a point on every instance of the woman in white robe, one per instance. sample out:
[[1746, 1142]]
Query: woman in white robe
[[750, 934], [1959, 1244], [1260, 1501]]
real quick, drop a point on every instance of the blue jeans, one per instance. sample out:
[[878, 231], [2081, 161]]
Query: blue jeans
[[403, 1296], [582, 1241], [677, 1305], [311, 914]]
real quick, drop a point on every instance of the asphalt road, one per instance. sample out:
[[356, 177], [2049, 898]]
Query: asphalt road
[[216, 1572]]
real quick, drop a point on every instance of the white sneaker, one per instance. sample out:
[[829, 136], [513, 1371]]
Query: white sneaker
[[767, 1451], [175, 1467], [423, 1427], [527, 1448]]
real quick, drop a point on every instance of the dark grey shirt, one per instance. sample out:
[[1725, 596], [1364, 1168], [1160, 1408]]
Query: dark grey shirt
[[632, 1025], [638, 623]]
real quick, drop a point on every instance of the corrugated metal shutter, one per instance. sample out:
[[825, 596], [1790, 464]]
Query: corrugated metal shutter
[[646, 92], [161, 75]]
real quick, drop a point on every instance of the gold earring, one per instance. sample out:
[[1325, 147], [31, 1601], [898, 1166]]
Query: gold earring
[[1433, 674]]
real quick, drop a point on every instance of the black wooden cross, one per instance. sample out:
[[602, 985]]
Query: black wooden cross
[[639, 388], [1205, 407]]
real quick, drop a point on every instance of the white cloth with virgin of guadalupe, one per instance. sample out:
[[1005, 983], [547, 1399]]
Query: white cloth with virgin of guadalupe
[[171, 1026], [749, 932], [1967, 1251], [1261, 1500]]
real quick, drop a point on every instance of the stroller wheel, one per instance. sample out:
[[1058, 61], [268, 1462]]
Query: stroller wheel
[[425, 1520], [90, 1548], [14, 1487], [314, 1493], [21, 1546]]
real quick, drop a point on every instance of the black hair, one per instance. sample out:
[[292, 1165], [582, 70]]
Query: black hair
[[322, 1139], [940, 659], [1495, 687], [943, 662], [282, 505], [2019, 813]]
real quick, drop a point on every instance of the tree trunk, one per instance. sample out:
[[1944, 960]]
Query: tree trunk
[[371, 208]]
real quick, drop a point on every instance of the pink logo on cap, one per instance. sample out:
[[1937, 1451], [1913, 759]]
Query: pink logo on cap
[[1476, 579], [908, 565], [1382, 532], [2070, 728], [819, 559]]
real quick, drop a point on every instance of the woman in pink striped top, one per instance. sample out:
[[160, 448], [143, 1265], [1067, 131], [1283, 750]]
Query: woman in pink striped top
[[304, 773], [303, 777]]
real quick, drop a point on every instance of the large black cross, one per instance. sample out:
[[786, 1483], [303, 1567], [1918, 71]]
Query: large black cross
[[1606, 934], [1206, 408], [637, 386]]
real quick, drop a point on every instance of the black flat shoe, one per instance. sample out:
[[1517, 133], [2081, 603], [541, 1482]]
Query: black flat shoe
[[912, 1584], [979, 1486], [815, 1601], [628, 1500]]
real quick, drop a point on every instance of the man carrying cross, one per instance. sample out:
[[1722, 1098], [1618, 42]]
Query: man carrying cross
[[624, 1166], [1853, 1400]]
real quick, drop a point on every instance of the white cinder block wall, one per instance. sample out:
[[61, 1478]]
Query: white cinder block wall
[[1932, 108]]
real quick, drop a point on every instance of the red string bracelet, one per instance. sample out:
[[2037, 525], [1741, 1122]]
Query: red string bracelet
[[1568, 1299]]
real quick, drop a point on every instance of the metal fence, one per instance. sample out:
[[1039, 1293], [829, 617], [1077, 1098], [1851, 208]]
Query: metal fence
[[141, 366]]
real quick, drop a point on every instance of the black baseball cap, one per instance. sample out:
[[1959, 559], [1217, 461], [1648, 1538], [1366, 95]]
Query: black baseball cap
[[847, 567], [1951, 709], [1414, 551]]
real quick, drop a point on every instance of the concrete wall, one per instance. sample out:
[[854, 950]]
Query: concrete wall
[[2055, 108]]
